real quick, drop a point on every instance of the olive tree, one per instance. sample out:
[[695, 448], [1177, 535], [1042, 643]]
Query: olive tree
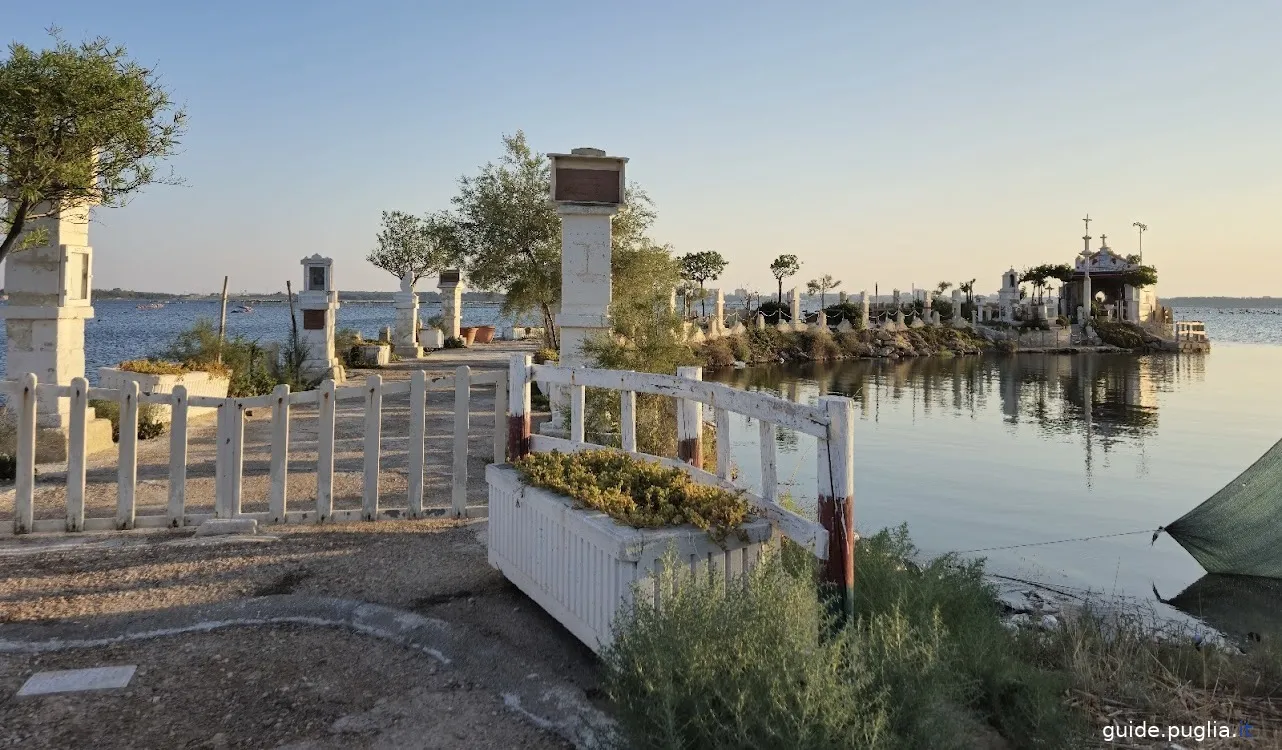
[[79, 124], [700, 267], [413, 246], [784, 266]]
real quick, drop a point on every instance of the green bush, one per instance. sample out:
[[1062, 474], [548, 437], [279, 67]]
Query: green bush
[[927, 664], [454, 342], [1119, 334], [346, 341], [641, 494], [545, 355], [149, 426], [254, 369], [8, 467]]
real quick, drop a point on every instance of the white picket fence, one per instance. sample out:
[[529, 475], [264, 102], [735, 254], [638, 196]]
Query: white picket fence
[[24, 394]]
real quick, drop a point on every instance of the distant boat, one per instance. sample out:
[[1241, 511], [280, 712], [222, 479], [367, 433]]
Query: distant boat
[[151, 306], [243, 309]]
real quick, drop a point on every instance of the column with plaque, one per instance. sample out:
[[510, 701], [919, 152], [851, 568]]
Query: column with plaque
[[318, 304], [588, 188]]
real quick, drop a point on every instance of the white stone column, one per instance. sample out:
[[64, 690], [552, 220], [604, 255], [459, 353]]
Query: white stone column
[[1085, 314], [405, 330], [863, 307], [719, 311], [50, 289], [318, 303], [451, 288], [957, 304], [794, 305]]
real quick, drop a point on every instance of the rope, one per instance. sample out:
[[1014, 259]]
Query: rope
[[1060, 541]]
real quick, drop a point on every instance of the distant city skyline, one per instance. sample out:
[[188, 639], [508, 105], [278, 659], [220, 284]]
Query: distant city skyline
[[888, 145]]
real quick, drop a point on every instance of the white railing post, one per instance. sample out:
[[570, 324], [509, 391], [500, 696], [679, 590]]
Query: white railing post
[[276, 502], [76, 454], [518, 404], [628, 420], [418, 437], [127, 470], [836, 458], [500, 418], [690, 423], [236, 477], [722, 418], [222, 461], [373, 444], [462, 422], [769, 461], [24, 511], [578, 396], [177, 510], [325, 452]]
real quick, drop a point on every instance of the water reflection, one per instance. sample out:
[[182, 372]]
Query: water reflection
[[1103, 399], [1234, 605]]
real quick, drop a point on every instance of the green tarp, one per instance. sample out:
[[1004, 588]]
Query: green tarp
[[1238, 531]]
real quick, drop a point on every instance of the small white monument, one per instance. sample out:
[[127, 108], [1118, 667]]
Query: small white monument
[[451, 288], [405, 332], [318, 303], [588, 189], [49, 290], [1008, 295], [863, 307], [718, 325]]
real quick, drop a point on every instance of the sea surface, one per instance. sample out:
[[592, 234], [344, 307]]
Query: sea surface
[[1004, 457], [119, 331]]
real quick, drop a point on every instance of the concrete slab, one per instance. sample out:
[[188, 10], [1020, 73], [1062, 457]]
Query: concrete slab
[[77, 680], [221, 526]]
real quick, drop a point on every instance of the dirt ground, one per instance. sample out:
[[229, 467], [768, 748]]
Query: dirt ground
[[290, 685]]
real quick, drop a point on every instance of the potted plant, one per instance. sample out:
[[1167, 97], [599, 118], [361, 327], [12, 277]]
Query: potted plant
[[158, 376], [580, 532], [468, 334], [484, 334]]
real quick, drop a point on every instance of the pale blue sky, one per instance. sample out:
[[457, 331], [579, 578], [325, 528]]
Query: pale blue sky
[[883, 143]]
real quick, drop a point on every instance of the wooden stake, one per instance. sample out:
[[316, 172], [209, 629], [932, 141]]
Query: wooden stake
[[222, 321]]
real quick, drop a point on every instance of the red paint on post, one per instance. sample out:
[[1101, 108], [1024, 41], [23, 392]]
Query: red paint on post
[[518, 436], [690, 451]]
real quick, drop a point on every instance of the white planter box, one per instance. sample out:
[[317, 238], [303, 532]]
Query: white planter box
[[580, 565], [431, 338], [375, 355], [197, 383]]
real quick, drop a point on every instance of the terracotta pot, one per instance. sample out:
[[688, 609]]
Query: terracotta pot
[[468, 334], [484, 334]]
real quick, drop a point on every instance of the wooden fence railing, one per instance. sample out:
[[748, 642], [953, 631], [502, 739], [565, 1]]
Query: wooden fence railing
[[832, 422], [24, 394]]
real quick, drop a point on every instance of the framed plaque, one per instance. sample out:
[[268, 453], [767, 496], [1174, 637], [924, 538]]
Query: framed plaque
[[587, 186], [314, 320]]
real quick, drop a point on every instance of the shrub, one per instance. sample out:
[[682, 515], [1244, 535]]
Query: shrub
[[454, 342], [641, 494], [346, 341], [717, 353], [545, 355], [927, 664], [1119, 334], [818, 344], [8, 467], [149, 425], [774, 312]]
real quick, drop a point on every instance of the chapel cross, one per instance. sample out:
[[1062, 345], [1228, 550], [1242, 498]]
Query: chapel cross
[[1088, 223], [1103, 240]]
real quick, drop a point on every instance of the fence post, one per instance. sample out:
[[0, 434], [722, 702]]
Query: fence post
[[325, 452], [690, 422], [280, 454], [222, 460], [127, 471], [518, 404], [836, 456], [500, 418], [373, 443], [578, 396], [236, 477], [722, 418], [462, 423], [418, 436], [76, 454], [178, 457], [25, 481], [628, 420]]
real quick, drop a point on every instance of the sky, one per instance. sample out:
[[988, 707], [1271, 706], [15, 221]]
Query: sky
[[889, 144]]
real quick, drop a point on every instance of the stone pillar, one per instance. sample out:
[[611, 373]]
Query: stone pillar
[[759, 322], [719, 308], [957, 304], [405, 335], [319, 305], [1086, 299], [895, 298], [926, 303], [841, 298], [863, 307], [672, 302], [451, 288], [588, 189], [794, 305], [50, 289]]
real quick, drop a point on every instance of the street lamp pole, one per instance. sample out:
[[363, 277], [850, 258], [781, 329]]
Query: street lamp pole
[[1142, 228]]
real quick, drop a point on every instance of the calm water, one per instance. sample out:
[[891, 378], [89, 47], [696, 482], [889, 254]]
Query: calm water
[[120, 331], [982, 452]]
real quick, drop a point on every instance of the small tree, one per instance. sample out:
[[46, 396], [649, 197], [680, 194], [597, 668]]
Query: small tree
[[784, 266], [700, 267], [942, 287], [412, 245], [967, 288], [79, 125], [822, 286]]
